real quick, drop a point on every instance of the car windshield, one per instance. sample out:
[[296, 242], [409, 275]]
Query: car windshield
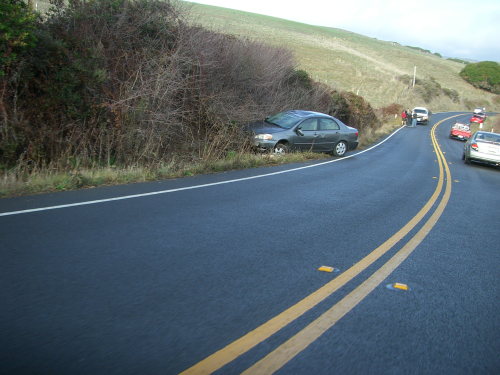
[[421, 111], [284, 119], [488, 137]]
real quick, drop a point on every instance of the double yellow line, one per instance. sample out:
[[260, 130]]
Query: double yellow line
[[284, 353]]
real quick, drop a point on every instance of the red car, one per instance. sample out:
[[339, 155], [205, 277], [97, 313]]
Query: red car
[[460, 131], [478, 118]]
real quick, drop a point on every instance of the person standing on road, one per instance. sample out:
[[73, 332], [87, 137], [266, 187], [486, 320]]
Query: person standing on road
[[404, 118], [414, 119]]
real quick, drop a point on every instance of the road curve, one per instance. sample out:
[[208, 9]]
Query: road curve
[[173, 272]]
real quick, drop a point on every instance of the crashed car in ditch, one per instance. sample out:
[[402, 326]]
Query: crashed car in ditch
[[423, 115], [303, 131]]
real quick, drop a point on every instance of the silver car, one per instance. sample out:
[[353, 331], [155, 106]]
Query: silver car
[[483, 147], [305, 131]]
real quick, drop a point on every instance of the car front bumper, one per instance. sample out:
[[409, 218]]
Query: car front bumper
[[460, 135], [264, 145]]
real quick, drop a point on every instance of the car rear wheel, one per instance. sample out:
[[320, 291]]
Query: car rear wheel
[[467, 160], [281, 149], [340, 149]]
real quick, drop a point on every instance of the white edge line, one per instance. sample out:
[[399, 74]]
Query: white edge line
[[192, 187]]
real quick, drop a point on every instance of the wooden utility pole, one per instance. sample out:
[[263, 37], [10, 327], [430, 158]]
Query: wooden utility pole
[[414, 75]]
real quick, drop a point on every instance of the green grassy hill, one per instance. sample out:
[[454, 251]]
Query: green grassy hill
[[346, 60], [349, 61]]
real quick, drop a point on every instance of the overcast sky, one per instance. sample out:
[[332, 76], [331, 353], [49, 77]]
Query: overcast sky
[[467, 29]]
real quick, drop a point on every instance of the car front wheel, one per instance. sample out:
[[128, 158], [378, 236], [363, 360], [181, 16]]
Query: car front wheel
[[281, 149], [340, 149]]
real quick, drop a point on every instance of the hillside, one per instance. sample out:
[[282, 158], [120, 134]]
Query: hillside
[[346, 60]]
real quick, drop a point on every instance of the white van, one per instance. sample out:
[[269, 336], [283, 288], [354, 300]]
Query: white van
[[423, 115]]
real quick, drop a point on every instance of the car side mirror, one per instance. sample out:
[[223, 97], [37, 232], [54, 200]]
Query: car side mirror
[[299, 132]]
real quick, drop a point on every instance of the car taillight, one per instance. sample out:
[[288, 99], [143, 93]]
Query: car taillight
[[474, 146], [356, 135]]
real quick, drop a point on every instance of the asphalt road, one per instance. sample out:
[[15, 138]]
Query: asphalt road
[[207, 274]]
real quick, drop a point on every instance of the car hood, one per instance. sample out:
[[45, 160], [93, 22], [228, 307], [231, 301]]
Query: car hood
[[261, 127]]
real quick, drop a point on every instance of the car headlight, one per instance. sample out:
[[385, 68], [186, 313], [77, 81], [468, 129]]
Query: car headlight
[[263, 136]]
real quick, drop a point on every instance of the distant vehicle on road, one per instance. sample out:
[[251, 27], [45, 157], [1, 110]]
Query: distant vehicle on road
[[423, 115], [460, 131], [479, 110], [483, 147], [478, 118], [304, 131]]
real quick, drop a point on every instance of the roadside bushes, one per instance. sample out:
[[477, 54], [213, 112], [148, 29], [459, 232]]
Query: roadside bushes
[[391, 109], [429, 88], [483, 75], [452, 94], [471, 104], [129, 82]]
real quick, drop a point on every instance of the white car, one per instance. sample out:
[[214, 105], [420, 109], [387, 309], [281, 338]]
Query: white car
[[479, 110], [423, 115], [483, 147]]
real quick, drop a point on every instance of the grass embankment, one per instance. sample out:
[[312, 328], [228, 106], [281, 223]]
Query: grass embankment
[[17, 182], [116, 92], [492, 124], [337, 59], [348, 61], [353, 62]]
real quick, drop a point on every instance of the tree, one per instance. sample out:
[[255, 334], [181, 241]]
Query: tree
[[17, 22], [484, 75]]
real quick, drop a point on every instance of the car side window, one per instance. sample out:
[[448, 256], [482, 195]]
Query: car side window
[[328, 124], [309, 124]]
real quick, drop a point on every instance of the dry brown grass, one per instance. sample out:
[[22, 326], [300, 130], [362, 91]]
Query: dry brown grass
[[349, 61], [17, 182]]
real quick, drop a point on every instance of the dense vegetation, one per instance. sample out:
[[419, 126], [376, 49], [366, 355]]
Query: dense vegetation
[[429, 88], [458, 60], [420, 49], [483, 75], [16, 31], [130, 82]]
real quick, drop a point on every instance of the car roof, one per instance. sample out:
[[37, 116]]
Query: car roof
[[304, 114], [483, 132]]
